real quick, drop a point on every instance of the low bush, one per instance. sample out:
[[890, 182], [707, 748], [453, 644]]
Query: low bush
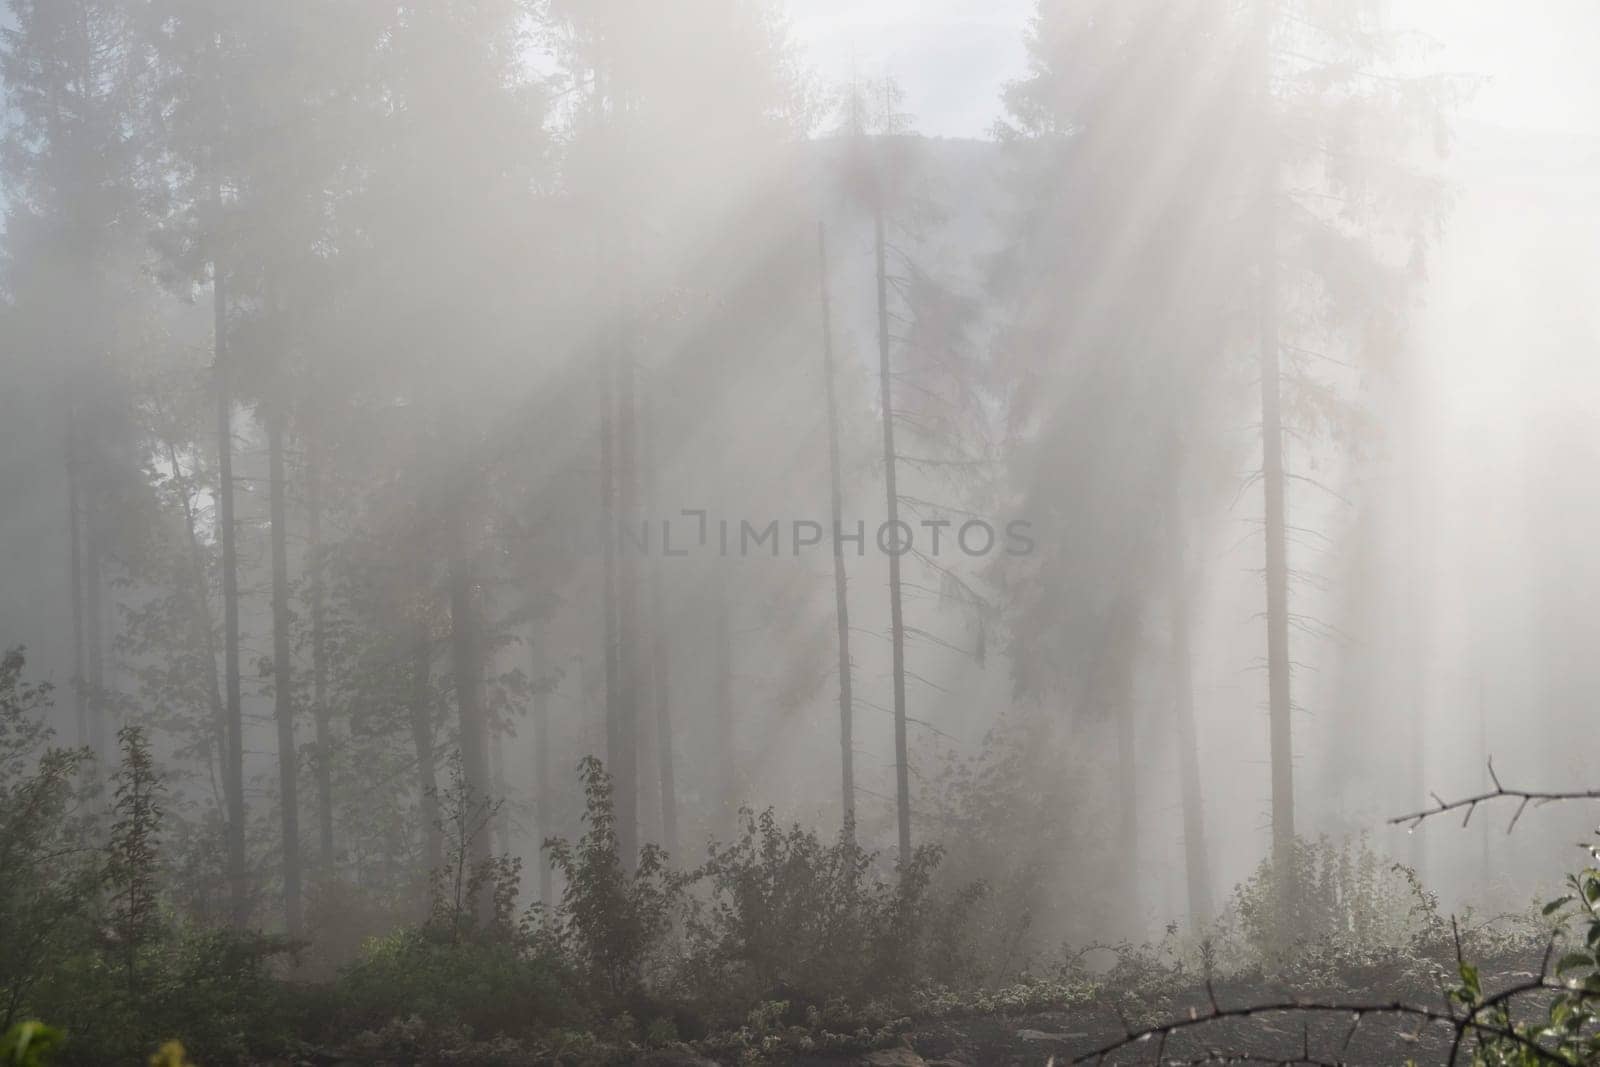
[[781, 915], [483, 986]]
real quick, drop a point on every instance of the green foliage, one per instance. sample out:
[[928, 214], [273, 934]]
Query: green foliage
[[786, 915], [29, 1044], [1567, 1028], [213, 989], [1352, 909], [132, 854], [171, 1054], [467, 894], [483, 986], [613, 922], [49, 875]]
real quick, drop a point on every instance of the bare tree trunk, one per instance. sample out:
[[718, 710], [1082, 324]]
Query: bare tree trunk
[[1486, 869], [1117, 698], [94, 610], [725, 799], [499, 825], [466, 647], [660, 645], [75, 571], [422, 737], [1196, 858], [897, 633], [200, 607], [233, 760], [841, 598], [282, 682], [625, 775], [1277, 567], [544, 807], [1122, 714], [319, 664], [1277, 584], [608, 544], [1418, 594]]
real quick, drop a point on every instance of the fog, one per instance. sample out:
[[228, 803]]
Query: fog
[[1107, 443]]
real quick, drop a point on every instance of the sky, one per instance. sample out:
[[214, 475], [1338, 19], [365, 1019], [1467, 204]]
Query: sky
[[952, 57]]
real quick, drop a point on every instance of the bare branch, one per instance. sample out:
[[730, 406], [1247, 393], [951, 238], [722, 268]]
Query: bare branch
[[1499, 792]]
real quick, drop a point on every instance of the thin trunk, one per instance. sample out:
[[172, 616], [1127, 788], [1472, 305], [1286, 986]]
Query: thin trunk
[[91, 490], [1272, 481], [1277, 579], [282, 684], [1123, 712], [75, 572], [902, 768], [233, 759], [466, 650], [422, 739], [94, 657], [200, 607], [608, 547], [841, 598], [726, 798], [544, 808], [1196, 859], [626, 773], [660, 645], [319, 664], [1483, 758], [1417, 591], [499, 824]]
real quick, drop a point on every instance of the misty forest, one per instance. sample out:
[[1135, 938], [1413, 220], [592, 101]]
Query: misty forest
[[563, 532]]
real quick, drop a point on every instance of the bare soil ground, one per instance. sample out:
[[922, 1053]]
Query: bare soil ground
[[1295, 1037]]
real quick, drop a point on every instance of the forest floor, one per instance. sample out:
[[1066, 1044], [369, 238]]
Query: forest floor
[[1067, 1034], [1345, 1018]]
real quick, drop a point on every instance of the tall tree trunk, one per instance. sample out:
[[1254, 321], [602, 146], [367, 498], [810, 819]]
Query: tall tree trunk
[[1418, 592], [1123, 715], [1277, 579], [608, 562], [902, 767], [725, 798], [422, 737], [1196, 858], [282, 682], [94, 611], [1277, 567], [660, 644], [1119, 704], [626, 773], [1485, 869], [319, 663], [200, 608], [466, 650], [841, 600], [499, 824], [75, 573], [544, 805], [233, 761]]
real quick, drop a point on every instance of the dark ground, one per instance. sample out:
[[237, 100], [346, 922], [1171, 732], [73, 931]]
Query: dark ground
[[1308, 1037]]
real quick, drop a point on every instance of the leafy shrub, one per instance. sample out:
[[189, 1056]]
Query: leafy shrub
[[482, 986], [466, 895], [212, 989], [1352, 909], [49, 873], [612, 923], [1567, 1029], [786, 917], [29, 1044]]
